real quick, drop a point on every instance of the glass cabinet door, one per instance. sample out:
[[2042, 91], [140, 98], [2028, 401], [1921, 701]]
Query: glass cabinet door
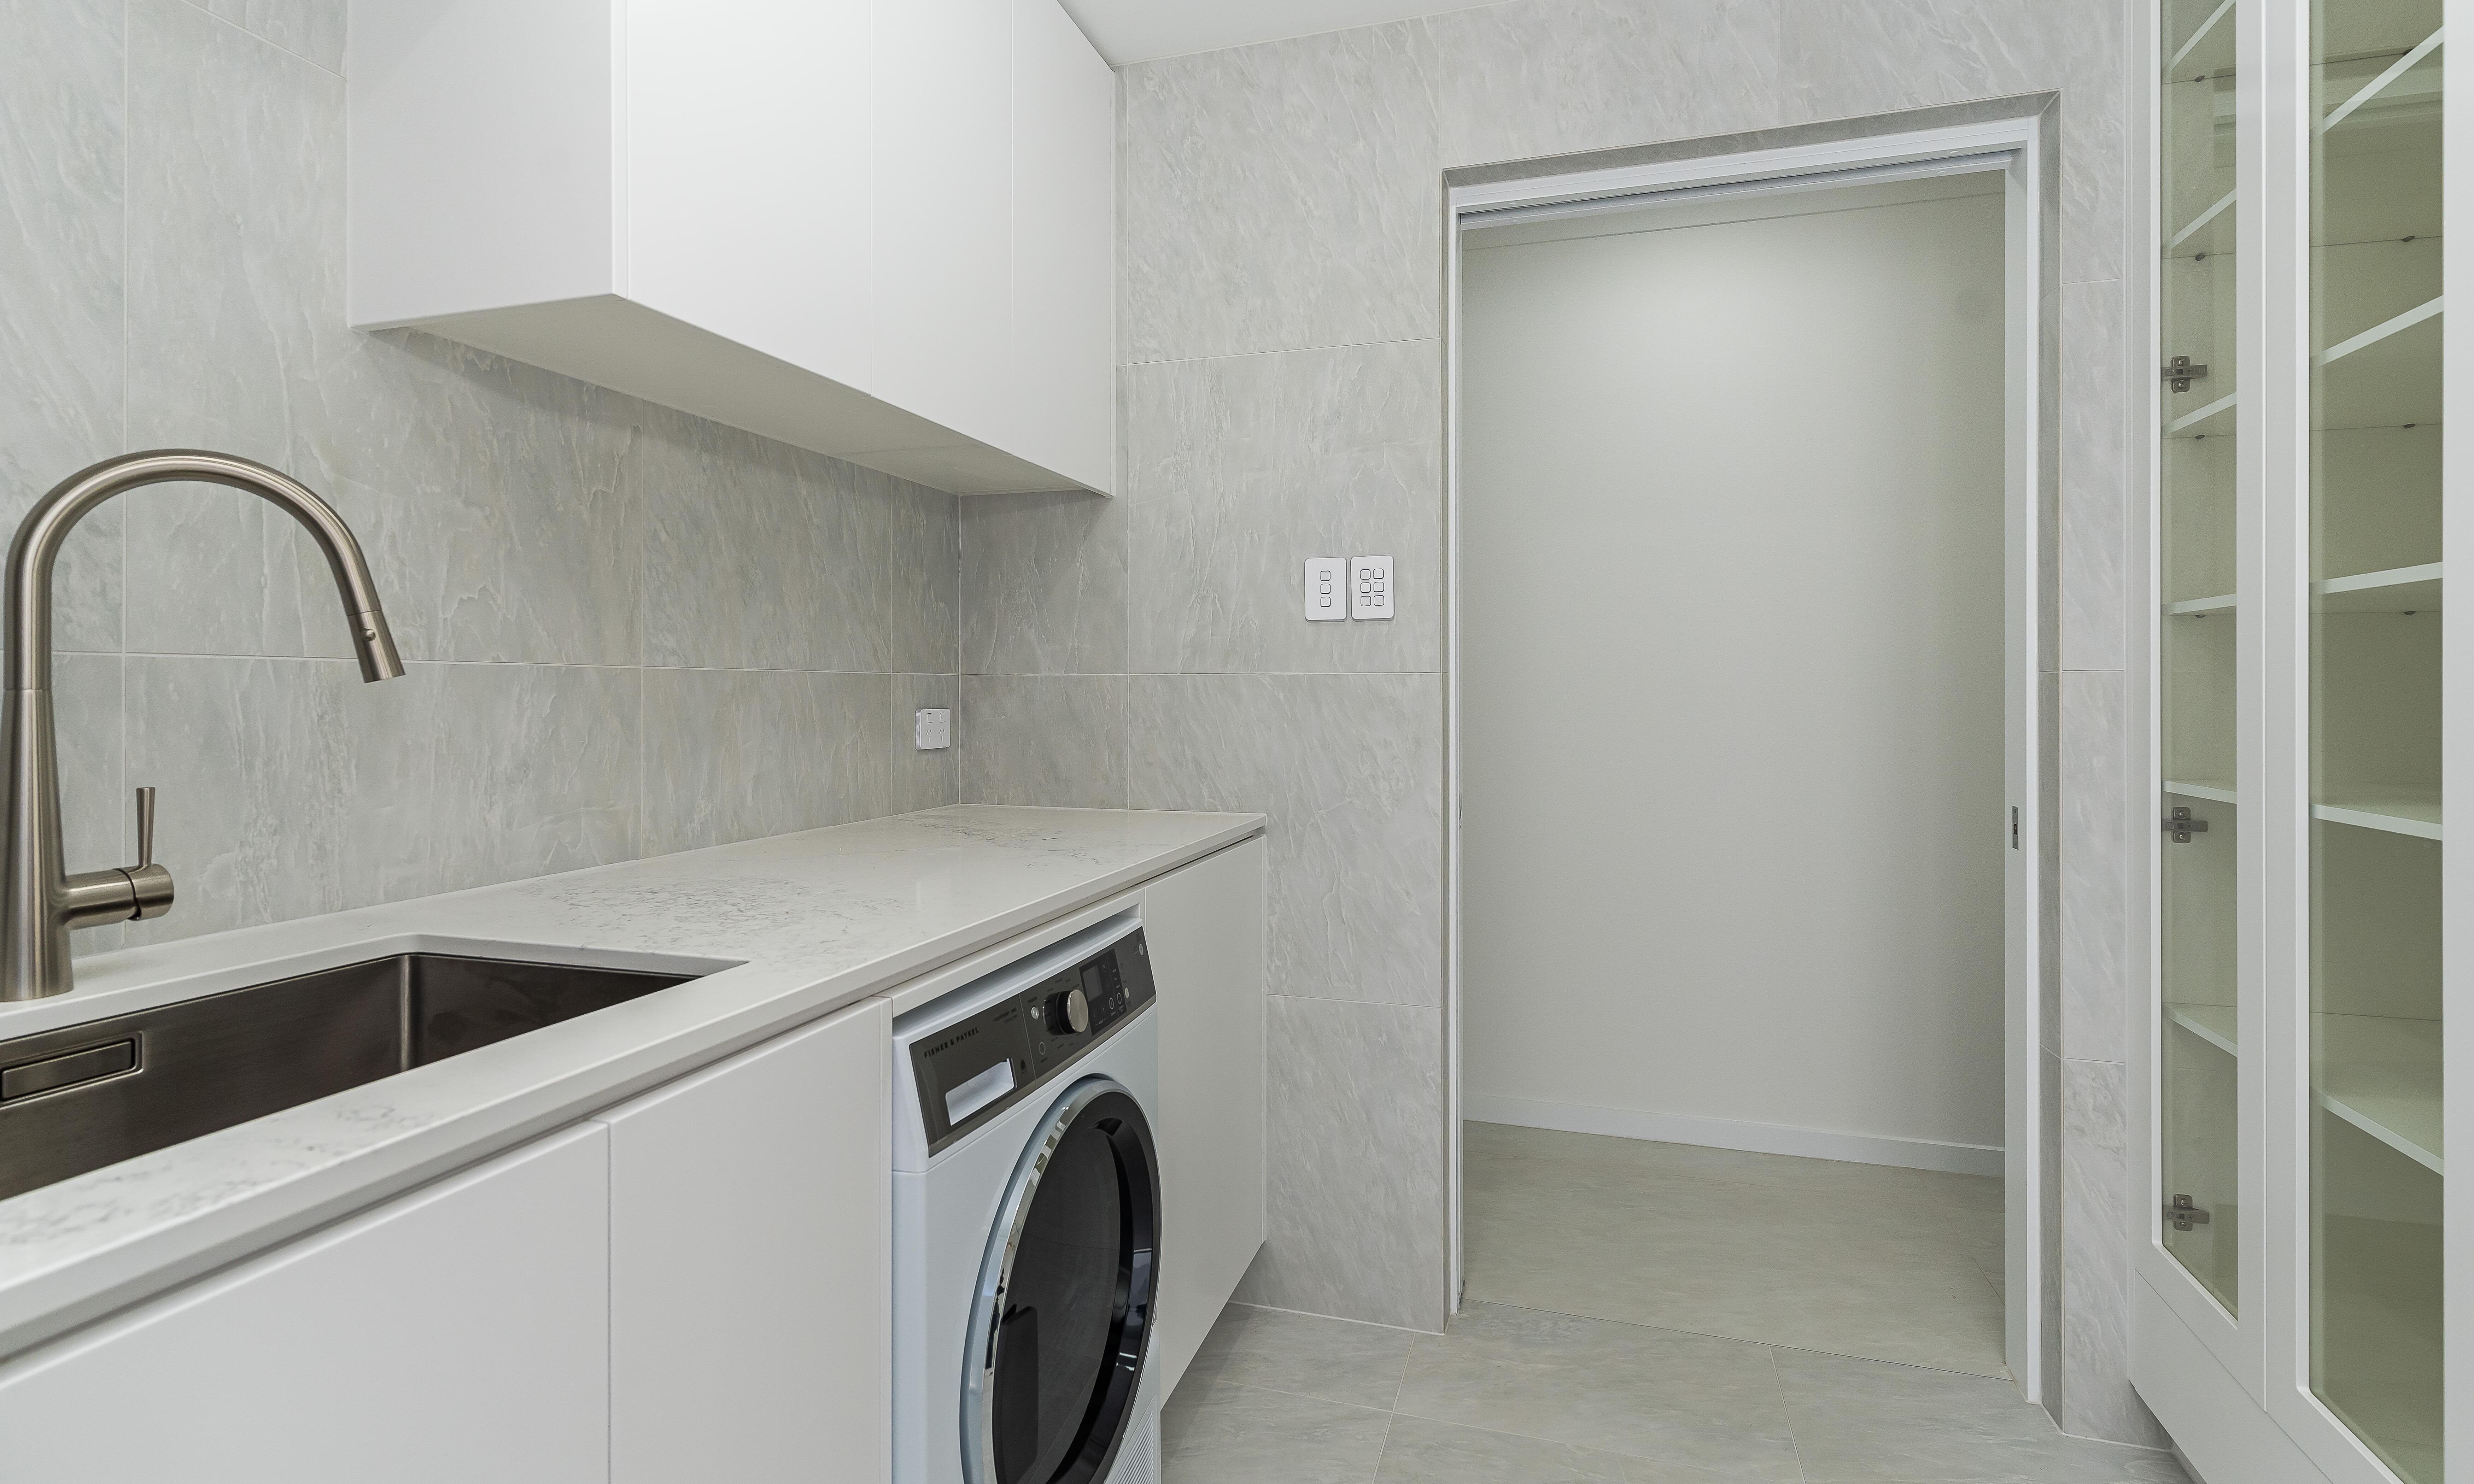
[[2201, 1034], [2375, 1158]]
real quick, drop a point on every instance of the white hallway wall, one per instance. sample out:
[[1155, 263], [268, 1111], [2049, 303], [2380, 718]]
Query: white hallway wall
[[1281, 210], [1731, 720]]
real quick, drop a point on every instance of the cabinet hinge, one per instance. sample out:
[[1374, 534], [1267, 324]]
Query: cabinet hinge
[[2184, 1215], [2181, 826], [2181, 372]]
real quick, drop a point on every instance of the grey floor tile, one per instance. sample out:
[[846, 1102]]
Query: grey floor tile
[[1857, 1422], [1658, 1394], [1851, 1261], [1231, 1434], [1278, 1349], [1430, 1453]]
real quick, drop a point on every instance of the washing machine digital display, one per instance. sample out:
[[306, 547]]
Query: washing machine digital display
[[977, 1068]]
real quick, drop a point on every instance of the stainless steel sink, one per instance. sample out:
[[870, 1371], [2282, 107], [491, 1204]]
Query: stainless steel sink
[[87, 1096]]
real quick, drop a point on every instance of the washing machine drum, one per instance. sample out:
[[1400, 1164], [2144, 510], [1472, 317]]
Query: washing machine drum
[[1061, 1320]]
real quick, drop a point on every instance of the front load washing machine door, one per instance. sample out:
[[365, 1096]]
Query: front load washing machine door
[[1062, 1319]]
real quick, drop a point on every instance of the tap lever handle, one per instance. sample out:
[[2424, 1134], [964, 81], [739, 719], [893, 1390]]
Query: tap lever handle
[[146, 826]]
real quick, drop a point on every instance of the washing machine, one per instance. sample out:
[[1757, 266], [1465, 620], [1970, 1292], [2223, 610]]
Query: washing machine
[[1025, 1221]]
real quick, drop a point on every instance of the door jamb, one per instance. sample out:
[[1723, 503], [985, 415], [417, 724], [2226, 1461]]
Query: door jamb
[[2030, 1122]]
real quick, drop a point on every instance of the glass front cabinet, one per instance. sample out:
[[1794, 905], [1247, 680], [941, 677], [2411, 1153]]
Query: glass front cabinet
[[2296, 1248]]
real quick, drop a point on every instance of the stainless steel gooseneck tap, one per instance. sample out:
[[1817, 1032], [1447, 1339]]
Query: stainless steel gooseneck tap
[[40, 900]]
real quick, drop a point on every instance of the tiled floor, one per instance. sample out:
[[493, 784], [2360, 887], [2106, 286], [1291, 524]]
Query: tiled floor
[[1656, 1314]]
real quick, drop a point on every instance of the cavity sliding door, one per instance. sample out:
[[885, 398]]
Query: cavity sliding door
[[2306, 953]]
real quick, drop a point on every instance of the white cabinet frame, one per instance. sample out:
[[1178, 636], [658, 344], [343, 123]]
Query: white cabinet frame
[[2275, 1429]]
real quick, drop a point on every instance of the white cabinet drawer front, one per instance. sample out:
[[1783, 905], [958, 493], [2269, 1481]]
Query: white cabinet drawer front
[[458, 1334], [751, 1288]]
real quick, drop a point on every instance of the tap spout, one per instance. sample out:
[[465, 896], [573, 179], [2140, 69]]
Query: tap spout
[[31, 555], [40, 900]]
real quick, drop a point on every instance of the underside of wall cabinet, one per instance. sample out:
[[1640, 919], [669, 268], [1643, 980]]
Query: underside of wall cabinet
[[881, 229]]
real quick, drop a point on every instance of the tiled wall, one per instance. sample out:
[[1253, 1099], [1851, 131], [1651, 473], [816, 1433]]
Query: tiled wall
[[1281, 213], [629, 631]]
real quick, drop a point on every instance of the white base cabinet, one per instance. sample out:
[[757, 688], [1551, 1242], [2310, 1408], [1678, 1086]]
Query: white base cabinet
[[694, 1284], [1204, 925], [750, 1309], [461, 1332], [881, 229]]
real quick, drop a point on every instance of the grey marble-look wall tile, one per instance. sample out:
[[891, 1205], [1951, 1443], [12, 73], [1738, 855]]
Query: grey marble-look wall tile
[[1240, 469], [493, 498], [1355, 1146], [1849, 58], [2098, 1400], [62, 140], [760, 556], [1281, 196], [236, 272], [287, 786], [309, 28], [733, 755], [1349, 768], [891, 603], [2095, 907], [537, 770], [1844, 57], [2095, 130], [1058, 741], [730, 555], [1043, 584], [2093, 476], [1558, 77]]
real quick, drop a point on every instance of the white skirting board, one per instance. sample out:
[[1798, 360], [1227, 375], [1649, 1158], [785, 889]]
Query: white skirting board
[[1760, 1138]]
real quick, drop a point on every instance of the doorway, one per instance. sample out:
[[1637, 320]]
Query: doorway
[[1746, 490]]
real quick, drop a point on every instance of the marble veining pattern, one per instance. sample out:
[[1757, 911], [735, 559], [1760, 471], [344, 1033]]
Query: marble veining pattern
[[1281, 196], [1351, 1089], [63, 226], [2097, 1399], [1230, 463], [786, 928], [1058, 739], [1045, 579], [1349, 769], [2096, 980]]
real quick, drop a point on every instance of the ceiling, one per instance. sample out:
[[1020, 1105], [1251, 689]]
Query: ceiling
[[1142, 30]]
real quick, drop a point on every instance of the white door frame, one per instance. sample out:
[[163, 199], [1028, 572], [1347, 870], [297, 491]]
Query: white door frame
[[2018, 144]]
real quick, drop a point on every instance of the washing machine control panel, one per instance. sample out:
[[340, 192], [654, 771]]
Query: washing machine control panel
[[976, 1068]]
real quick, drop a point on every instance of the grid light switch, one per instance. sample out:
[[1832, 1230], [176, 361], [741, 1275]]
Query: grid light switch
[[931, 730], [1369, 587], [1326, 588]]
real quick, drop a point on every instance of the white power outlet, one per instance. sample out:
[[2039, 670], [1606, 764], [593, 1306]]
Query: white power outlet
[[931, 730], [1326, 588], [1369, 587]]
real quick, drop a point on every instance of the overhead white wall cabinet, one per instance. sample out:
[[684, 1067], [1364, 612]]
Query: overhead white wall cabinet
[[881, 229]]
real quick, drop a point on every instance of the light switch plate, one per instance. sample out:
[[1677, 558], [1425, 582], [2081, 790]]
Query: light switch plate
[[931, 730], [1369, 587], [1326, 588]]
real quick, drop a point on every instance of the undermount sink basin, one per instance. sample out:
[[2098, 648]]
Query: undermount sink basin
[[83, 1097]]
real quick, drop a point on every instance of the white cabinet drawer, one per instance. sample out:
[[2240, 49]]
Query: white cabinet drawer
[[460, 1332]]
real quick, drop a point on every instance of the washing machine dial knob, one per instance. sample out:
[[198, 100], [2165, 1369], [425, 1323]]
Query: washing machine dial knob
[[1069, 1012]]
